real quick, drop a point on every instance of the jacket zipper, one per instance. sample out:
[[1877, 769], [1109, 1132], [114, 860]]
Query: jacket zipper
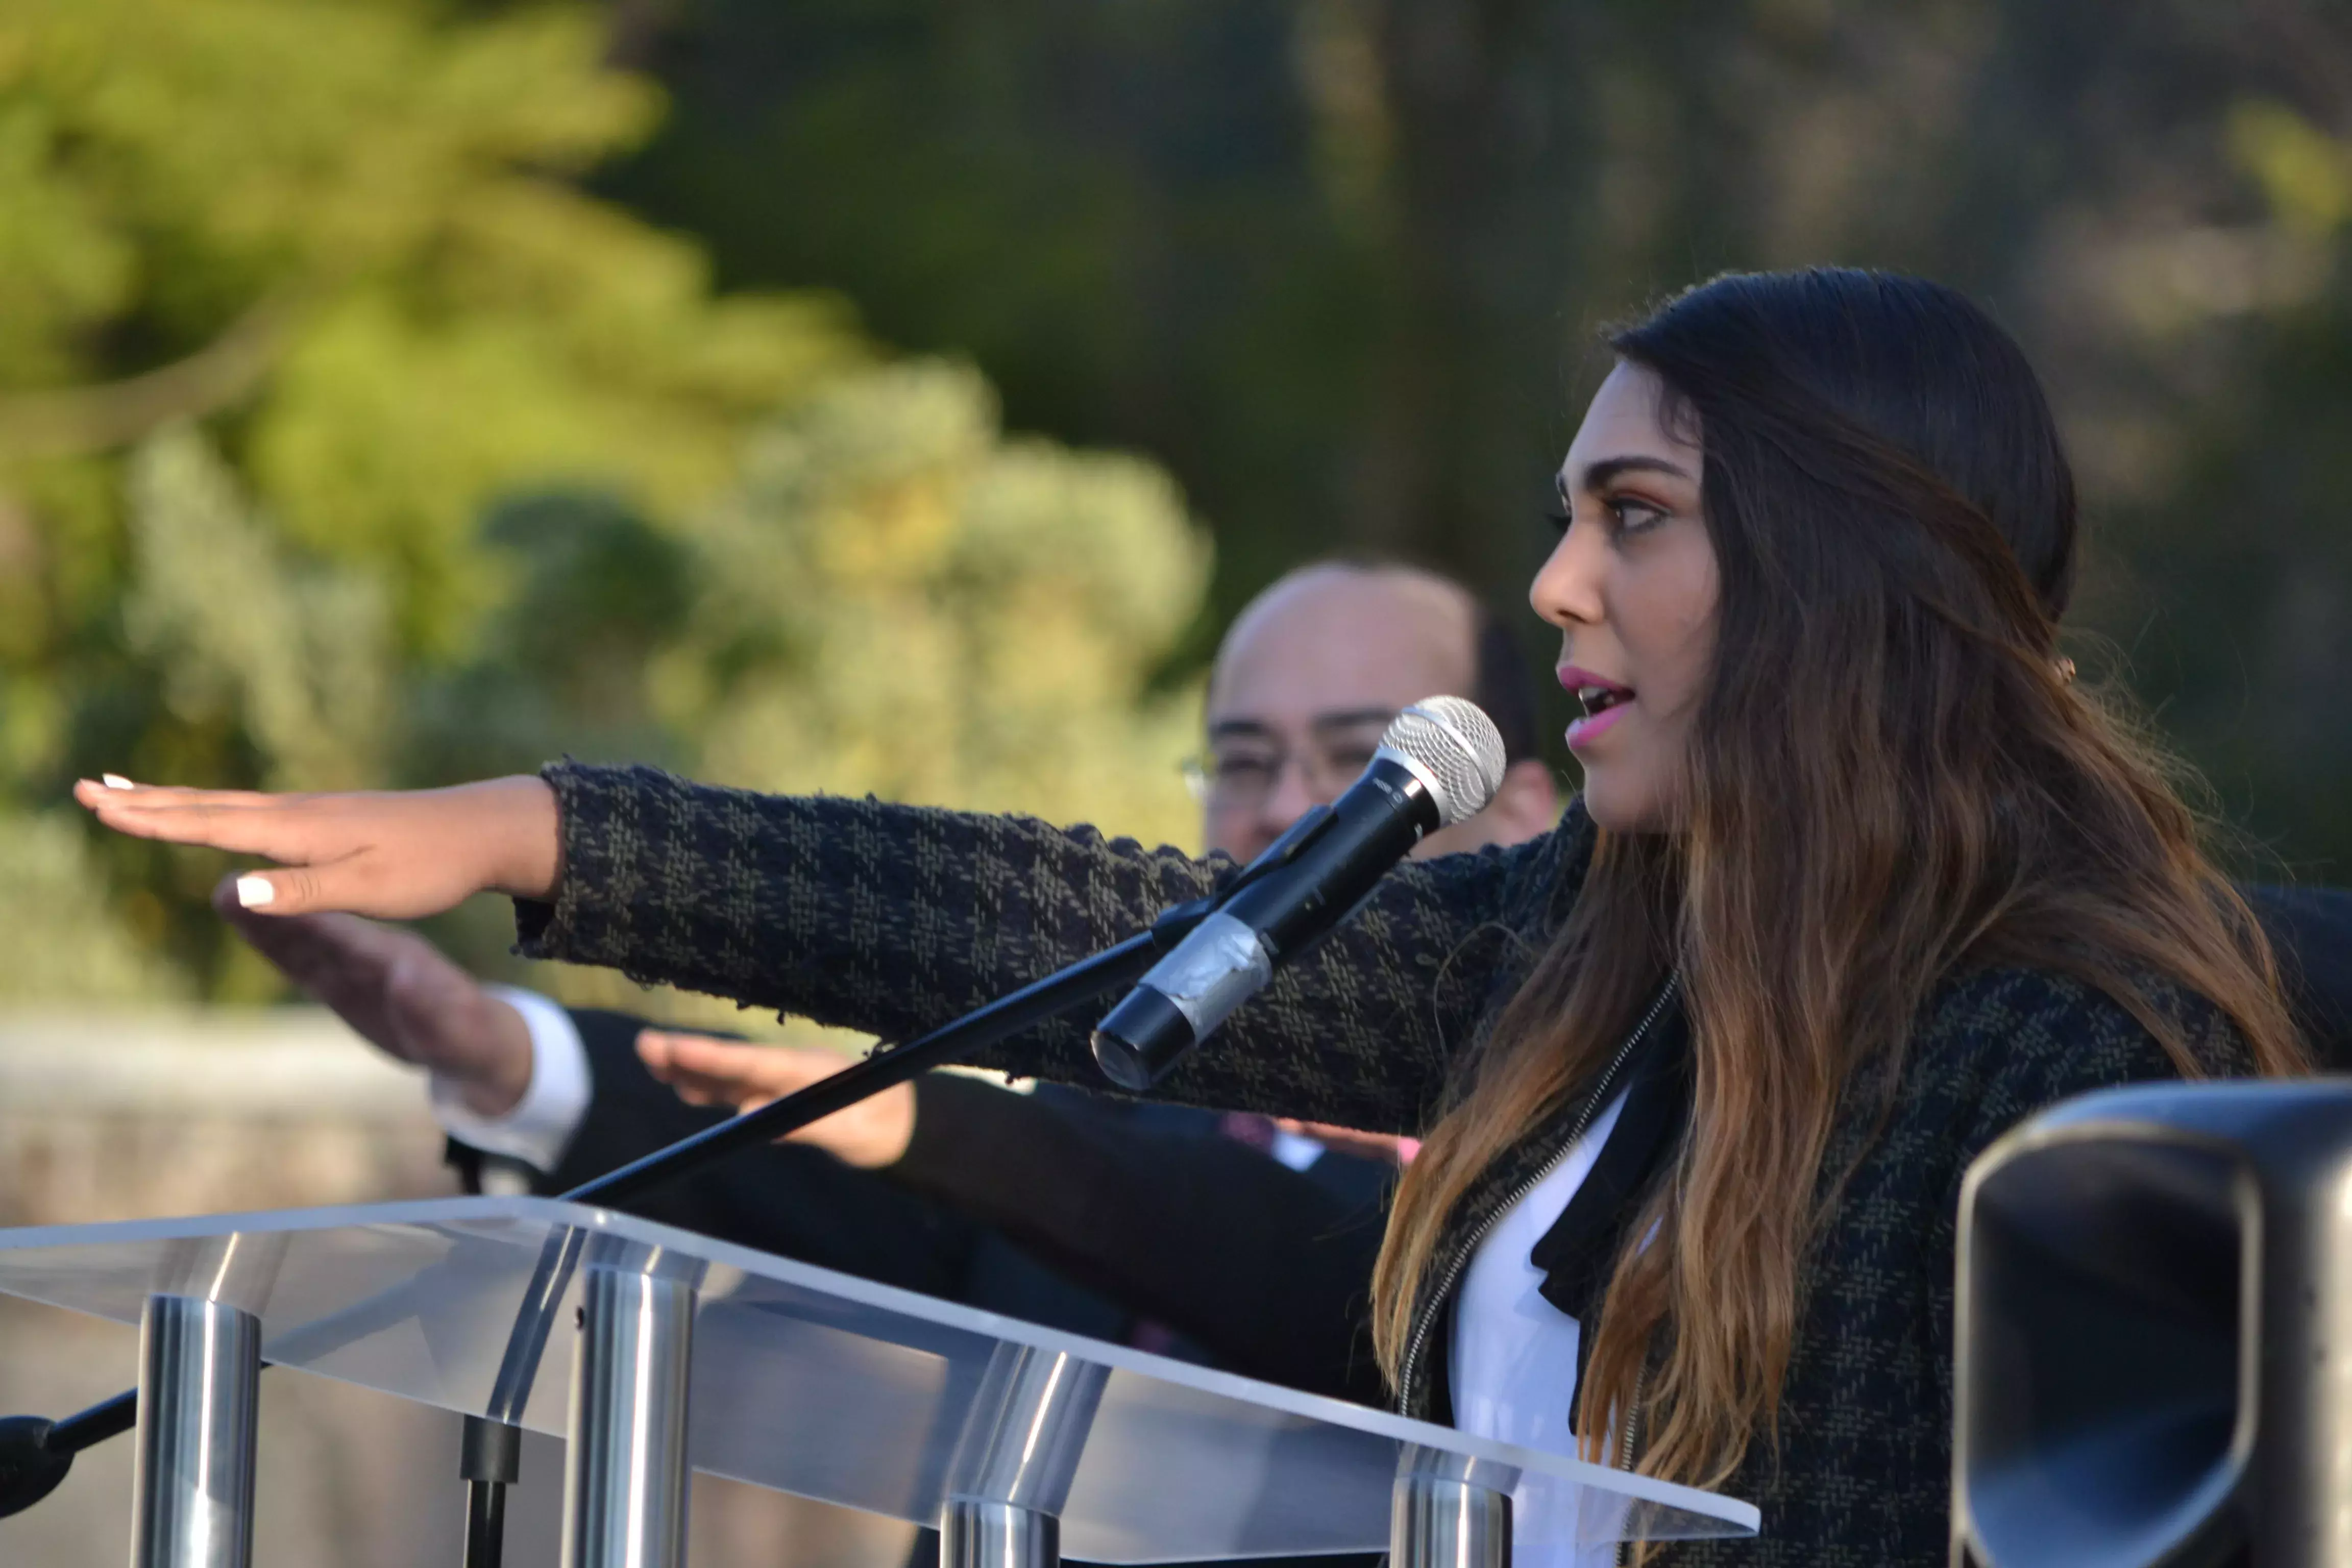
[[1460, 1259], [1625, 1449]]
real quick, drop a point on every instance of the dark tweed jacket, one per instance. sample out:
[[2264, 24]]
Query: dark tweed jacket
[[895, 919]]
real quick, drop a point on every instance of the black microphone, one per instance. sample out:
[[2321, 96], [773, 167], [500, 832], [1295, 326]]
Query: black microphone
[[1439, 761]]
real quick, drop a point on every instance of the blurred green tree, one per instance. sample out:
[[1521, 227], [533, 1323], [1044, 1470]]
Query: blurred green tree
[[900, 600], [343, 438], [895, 598]]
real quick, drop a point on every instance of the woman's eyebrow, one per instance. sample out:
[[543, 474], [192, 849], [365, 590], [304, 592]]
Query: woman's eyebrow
[[1600, 473]]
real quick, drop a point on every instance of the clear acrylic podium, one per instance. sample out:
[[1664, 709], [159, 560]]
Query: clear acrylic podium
[[652, 1350]]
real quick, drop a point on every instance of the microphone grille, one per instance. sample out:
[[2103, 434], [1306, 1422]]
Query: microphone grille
[[1455, 748]]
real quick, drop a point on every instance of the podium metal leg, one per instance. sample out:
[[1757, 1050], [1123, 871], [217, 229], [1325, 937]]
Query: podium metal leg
[[1013, 1467], [199, 1393], [974, 1534], [1442, 1515], [625, 1485]]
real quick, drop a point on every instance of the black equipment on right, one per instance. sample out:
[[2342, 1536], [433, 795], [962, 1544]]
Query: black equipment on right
[[2153, 1341]]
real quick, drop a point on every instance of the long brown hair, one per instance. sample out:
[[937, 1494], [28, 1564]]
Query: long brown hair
[[1892, 782]]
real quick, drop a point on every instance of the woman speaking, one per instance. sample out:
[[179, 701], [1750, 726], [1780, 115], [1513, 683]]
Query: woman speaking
[[1860, 877]]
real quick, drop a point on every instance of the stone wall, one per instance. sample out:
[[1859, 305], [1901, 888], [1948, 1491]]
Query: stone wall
[[122, 1116]]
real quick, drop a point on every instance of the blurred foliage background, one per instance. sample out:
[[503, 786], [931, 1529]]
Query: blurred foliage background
[[345, 438], [396, 390]]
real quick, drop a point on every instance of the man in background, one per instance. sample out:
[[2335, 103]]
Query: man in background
[[1225, 1238]]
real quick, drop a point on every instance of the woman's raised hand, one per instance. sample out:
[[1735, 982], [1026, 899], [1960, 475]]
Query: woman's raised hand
[[394, 855]]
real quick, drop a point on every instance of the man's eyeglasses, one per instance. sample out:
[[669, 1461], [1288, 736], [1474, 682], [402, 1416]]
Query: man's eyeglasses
[[1242, 769]]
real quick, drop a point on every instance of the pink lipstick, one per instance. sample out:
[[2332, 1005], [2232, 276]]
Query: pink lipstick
[[1605, 702]]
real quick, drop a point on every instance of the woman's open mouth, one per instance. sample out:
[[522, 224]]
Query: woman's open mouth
[[1599, 699], [1604, 702]]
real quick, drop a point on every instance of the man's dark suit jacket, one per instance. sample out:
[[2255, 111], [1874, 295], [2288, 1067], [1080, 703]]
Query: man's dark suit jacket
[[1078, 1212], [2311, 931]]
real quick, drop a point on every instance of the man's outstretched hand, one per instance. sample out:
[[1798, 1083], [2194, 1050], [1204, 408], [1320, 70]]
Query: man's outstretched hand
[[870, 1135], [401, 993]]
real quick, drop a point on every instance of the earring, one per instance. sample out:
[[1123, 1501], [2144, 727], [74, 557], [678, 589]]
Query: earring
[[2065, 667]]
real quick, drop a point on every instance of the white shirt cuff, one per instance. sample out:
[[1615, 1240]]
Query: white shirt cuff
[[541, 1125], [1294, 1150]]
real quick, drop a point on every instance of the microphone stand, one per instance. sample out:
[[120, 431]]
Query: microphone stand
[[35, 1454]]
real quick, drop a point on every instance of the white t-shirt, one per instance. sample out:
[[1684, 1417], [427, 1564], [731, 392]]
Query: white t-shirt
[[1513, 1366]]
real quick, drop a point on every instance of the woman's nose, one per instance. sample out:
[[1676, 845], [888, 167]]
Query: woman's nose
[[1567, 589]]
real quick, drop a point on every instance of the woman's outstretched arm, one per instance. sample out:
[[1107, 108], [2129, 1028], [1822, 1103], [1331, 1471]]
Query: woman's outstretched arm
[[895, 919]]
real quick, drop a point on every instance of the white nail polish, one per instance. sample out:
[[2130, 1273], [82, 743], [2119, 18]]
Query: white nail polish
[[254, 891], [115, 781]]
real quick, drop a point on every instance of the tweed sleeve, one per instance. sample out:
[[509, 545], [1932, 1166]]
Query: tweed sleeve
[[2056, 1039], [894, 918]]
